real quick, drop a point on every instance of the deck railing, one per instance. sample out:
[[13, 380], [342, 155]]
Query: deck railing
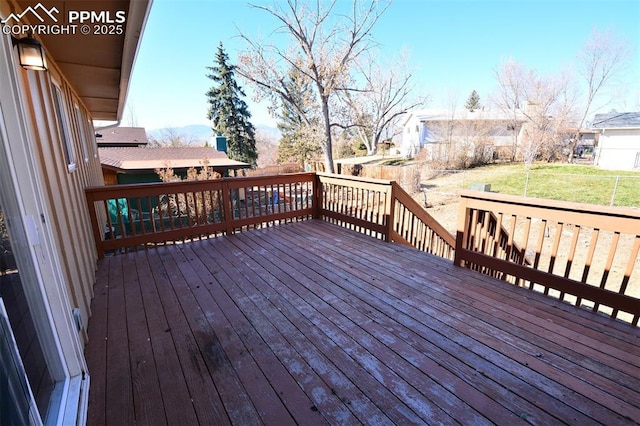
[[571, 252], [565, 250], [133, 216], [382, 209]]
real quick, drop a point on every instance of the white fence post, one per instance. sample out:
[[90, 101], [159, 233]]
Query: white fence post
[[615, 188]]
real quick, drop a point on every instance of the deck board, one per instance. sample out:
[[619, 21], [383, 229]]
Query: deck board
[[176, 329], [119, 387], [311, 323]]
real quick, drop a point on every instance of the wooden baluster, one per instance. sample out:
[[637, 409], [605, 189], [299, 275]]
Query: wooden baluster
[[123, 232], [110, 226], [525, 243], [628, 271], [140, 216], [607, 268], [536, 261], [554, 251], [588, 261], [572, 252]]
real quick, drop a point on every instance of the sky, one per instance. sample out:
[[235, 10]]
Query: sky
[[455, 47]]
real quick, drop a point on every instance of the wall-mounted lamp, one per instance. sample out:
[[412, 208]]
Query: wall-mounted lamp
[[31, 53]]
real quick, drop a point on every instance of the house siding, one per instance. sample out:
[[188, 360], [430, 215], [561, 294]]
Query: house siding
[[444, 133], [618, 149], [49, 157], [64, 189]]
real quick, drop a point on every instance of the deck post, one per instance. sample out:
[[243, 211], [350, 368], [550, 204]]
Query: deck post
[[317, 196], [391, 208], [463, 225], [93, 215], [227, 203]]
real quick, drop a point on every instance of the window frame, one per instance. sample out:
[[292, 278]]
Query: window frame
[[82, 131], [63, 124]]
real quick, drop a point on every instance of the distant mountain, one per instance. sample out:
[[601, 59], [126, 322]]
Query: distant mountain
[[198, 134]]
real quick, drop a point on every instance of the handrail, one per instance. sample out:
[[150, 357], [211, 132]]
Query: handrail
[[381, 208], [414, 226], [582, 254]]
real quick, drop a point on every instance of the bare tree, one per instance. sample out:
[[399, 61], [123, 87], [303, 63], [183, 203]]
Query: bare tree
[[512, 78], [171, 137], [132, 116], [462, 140], [602, 59], [389, 92], [267, 146], [324, 46], [537, 131], [542, 105], [447, 128]]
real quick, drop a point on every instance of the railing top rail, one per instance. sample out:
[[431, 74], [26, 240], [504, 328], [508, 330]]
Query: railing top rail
[[403, 197], [354, 178], [114, 191], [566, 206]]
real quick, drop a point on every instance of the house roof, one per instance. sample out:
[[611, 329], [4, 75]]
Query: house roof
[[122, 136], [463, 114], [616, 120], [98, 66], [130, 159]]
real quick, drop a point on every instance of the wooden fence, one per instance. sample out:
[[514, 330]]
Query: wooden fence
[[581, 256]]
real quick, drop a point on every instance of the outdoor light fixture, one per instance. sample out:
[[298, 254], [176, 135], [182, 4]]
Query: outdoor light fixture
[[31, 53]]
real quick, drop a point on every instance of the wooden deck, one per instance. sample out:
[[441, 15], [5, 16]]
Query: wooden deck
[[310, 323]]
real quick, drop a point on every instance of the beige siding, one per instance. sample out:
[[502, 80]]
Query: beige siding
[[65, 188], [618, 149]]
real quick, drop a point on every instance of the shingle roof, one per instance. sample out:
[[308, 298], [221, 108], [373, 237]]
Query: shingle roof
[[616, 120], [120, 136], [154, 158], [462, 114]]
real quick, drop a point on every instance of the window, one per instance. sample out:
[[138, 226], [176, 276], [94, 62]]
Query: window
[[92, 139], [82, 131], [67, 143]]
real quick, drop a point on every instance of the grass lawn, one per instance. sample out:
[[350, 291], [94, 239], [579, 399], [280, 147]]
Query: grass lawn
[[565, 182]]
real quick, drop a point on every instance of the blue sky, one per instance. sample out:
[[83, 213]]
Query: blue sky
[[455, 46]]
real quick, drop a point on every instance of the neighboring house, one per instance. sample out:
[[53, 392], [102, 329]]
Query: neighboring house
[[618, 140], [48, 155], [586, 143], [121, 137], [441, 132], [137, 165]]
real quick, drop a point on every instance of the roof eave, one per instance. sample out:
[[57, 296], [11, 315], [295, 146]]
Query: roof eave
[[136, 22], [617, 128]]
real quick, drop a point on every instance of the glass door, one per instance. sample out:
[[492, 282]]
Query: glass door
[[20, 337], [35, 373]]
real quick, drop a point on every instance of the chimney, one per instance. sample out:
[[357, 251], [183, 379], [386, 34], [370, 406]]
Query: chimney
[[221, 143]]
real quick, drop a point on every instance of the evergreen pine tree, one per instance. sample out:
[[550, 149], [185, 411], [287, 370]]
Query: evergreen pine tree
[[473, 102], [229, 111]]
